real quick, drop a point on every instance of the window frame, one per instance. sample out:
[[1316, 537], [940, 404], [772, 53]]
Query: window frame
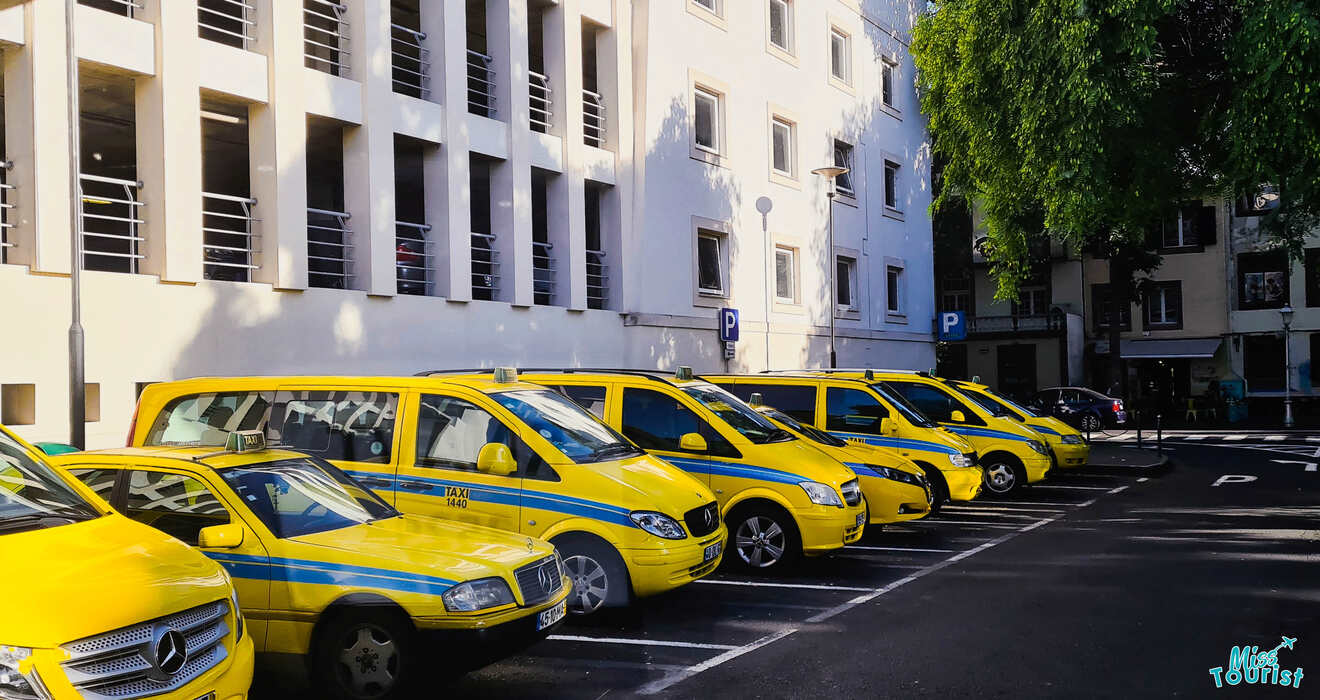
[[124, 485], [1101, 320], [789, 52], [1267, 271], [1311, 283], [709, 88], [845, 81], [780, 119], [713, 14], [842, 391], [889, 70], [698, 93], [722, 232], [892, 173], [1160, 289], [849, 150], [852, 262], [794, 282]]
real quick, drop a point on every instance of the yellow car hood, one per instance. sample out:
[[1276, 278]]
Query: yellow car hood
[[72, 581], [645, 483], [858, 451]]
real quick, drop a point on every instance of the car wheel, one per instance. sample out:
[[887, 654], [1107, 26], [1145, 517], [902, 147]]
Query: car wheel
[[363, 655], [599, 576], [1091, 422], [1003, 477], [764, 538]]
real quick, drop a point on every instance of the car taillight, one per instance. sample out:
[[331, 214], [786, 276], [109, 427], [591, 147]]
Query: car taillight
[[1118, 406], [132, 425]]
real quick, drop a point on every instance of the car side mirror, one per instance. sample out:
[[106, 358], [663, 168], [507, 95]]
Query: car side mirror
[[887, 426], [222, 536], [957, 417], [496, 459], [693, 442]]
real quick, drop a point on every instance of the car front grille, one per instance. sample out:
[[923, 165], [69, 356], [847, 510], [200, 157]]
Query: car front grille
[[124, 663], [540, 580], [704, 520], [852, 493]]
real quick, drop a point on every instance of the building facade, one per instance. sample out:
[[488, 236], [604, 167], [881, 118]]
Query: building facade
[[380, 186]]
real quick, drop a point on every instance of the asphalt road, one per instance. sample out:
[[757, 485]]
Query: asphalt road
[[1098, 583]]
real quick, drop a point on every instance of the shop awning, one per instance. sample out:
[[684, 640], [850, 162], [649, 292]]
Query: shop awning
[[1170, 349]]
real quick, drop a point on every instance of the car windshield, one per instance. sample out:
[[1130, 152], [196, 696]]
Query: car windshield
[[995, 407], [738, 415], [1013, 405], [573, 430], [304, 495], [903, 406], [33, 495], [811, 432]]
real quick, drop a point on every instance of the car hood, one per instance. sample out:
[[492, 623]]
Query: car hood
[[873, 454], [73, 581], [998, 429], [1051, 427], [799, 458], [645, 482]]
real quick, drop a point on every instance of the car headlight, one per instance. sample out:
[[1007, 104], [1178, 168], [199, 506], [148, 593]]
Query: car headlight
[[14, 682], [821, 494], [889, 473], [478, 595], [1038, 446], [1071, 439], [961, 460], [658, 524], [238, 615]]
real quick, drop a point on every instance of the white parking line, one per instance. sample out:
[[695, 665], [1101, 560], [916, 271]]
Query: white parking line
[[1195, 437], [1143, 480], [965, 522], [1313, 439], [640, 642], [989, 513], [660, 684], [1031, 503], [989, 509], [899, 549], [1234, 437], [1117, 490], [1079, 488], [767, 584], [1275, 438]]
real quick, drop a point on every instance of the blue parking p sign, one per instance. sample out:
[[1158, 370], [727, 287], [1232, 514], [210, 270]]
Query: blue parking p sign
[[952, 325], [728, 325]]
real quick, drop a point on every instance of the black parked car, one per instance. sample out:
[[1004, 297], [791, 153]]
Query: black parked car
[[1081, 408]]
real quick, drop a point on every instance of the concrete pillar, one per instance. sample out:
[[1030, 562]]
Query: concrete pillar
[[566, 195], [446, 169], [278, 145], [369, 150], [511, 180], [630, 152], [169, 139]]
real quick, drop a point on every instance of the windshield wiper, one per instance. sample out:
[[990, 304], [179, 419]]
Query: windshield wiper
[[30, 520], [779, 435], [617, 449]]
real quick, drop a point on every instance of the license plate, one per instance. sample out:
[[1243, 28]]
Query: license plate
[[711, 552], [551, 616], [1121, 417], [861, 519]]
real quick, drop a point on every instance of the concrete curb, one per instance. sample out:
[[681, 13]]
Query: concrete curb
[[1126, 458]]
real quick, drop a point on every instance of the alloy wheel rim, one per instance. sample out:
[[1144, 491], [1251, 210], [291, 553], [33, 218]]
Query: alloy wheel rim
[[760, 541], [591, 585], [1000, 477], [368, 661], [1090, 422]]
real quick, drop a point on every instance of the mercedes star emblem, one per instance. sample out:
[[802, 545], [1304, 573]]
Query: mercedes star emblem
[[171, 651], [530, 547], [710, 518], [547, 578]]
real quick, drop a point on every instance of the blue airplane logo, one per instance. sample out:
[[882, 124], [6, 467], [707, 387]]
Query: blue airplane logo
[[1287, 642]]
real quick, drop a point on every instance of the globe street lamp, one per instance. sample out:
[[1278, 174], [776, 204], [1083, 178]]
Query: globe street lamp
[[1287, 313], [830, 173]]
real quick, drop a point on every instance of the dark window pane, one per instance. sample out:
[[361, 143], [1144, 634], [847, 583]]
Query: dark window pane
[[656, 421], [797, 401], [207, 419], [843, 283], [353, 426], [591, 398], [779, 24], [175, 504], [705, 120], [102, 481], [709, 263], [1262, 362], [853, 411], [1262, 280], [891, 289], [891, 185], [1312, 277], [887, 84]]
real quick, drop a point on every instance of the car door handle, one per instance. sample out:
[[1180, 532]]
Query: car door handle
[[415, 485], [373, 482]]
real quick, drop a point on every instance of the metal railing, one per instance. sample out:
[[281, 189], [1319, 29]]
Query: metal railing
[[111, 223], [543, 273], [538, 96], [231, 22], [411, 60], [229, 243], [598, 280], [413, 259], [119, 7], [325, 36], [1013, 324], [593, 119], [481, 84], [5, 206], [329, 252], [485, 266]]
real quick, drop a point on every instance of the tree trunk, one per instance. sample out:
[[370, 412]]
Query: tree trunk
[[1120, 282]]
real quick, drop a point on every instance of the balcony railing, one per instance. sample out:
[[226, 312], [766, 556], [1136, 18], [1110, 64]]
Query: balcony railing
[[481, 84], [538, 95], [329, 252], [325, 36], [543, 273], [412, 62], [120, 7], [593, 119], [598, 280], [6, 204], [414, 261], [229, 243], [111, 223], [231, 22], [1043, 323], [485, 267]]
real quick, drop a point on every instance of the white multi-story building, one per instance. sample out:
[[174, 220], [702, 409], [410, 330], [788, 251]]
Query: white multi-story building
[[387, 186]]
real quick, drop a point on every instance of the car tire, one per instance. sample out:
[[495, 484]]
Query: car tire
[[1092, 423], [599, 576], [364, 654], [1003, 476], [939, 489], [763, 538]]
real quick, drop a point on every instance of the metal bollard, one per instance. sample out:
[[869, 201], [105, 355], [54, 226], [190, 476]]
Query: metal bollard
[[1159, 436], [1137, 416]]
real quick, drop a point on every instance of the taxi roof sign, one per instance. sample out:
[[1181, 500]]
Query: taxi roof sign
[[241, 441], [683, 374], [505, 375], [755, 400]]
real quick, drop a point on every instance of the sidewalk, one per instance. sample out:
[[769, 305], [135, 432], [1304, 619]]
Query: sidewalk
[[1125, 457]]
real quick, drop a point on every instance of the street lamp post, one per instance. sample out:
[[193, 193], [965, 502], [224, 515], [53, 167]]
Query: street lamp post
[[77, 379], [830, 173], [1287, 313]]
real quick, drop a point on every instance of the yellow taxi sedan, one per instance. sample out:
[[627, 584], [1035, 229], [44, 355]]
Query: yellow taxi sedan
[[1067, 447], [323, 567]]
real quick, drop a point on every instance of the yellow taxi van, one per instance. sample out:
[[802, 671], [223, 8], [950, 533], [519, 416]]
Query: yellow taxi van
[[1067, 447], [780, 497], [858, 409], [895, 488], [487, 450], [1011, 453], [326, 569], [98, 606]]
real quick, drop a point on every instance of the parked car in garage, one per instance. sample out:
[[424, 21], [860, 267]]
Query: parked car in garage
[[1080, 407]]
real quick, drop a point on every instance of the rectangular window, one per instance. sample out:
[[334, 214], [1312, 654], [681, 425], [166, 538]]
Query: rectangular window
[[208, 419], [798, 401], [1100, 307], [1164, 305], [1315, 357], [891, 185], [452, 431], [710, 262], [1262, 280], [893, 289], [853, 411], [1312, 277], [843, 158], [589, 397], [706, 120], [785, 275], [715, 6], [1190, 227], [1033, 300], [351, 426], [177, 505], [782, 147], [840, 56], [781, 25], [888, 76], [656, 421], [845, 283], [956, 293], [1262, 362]]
